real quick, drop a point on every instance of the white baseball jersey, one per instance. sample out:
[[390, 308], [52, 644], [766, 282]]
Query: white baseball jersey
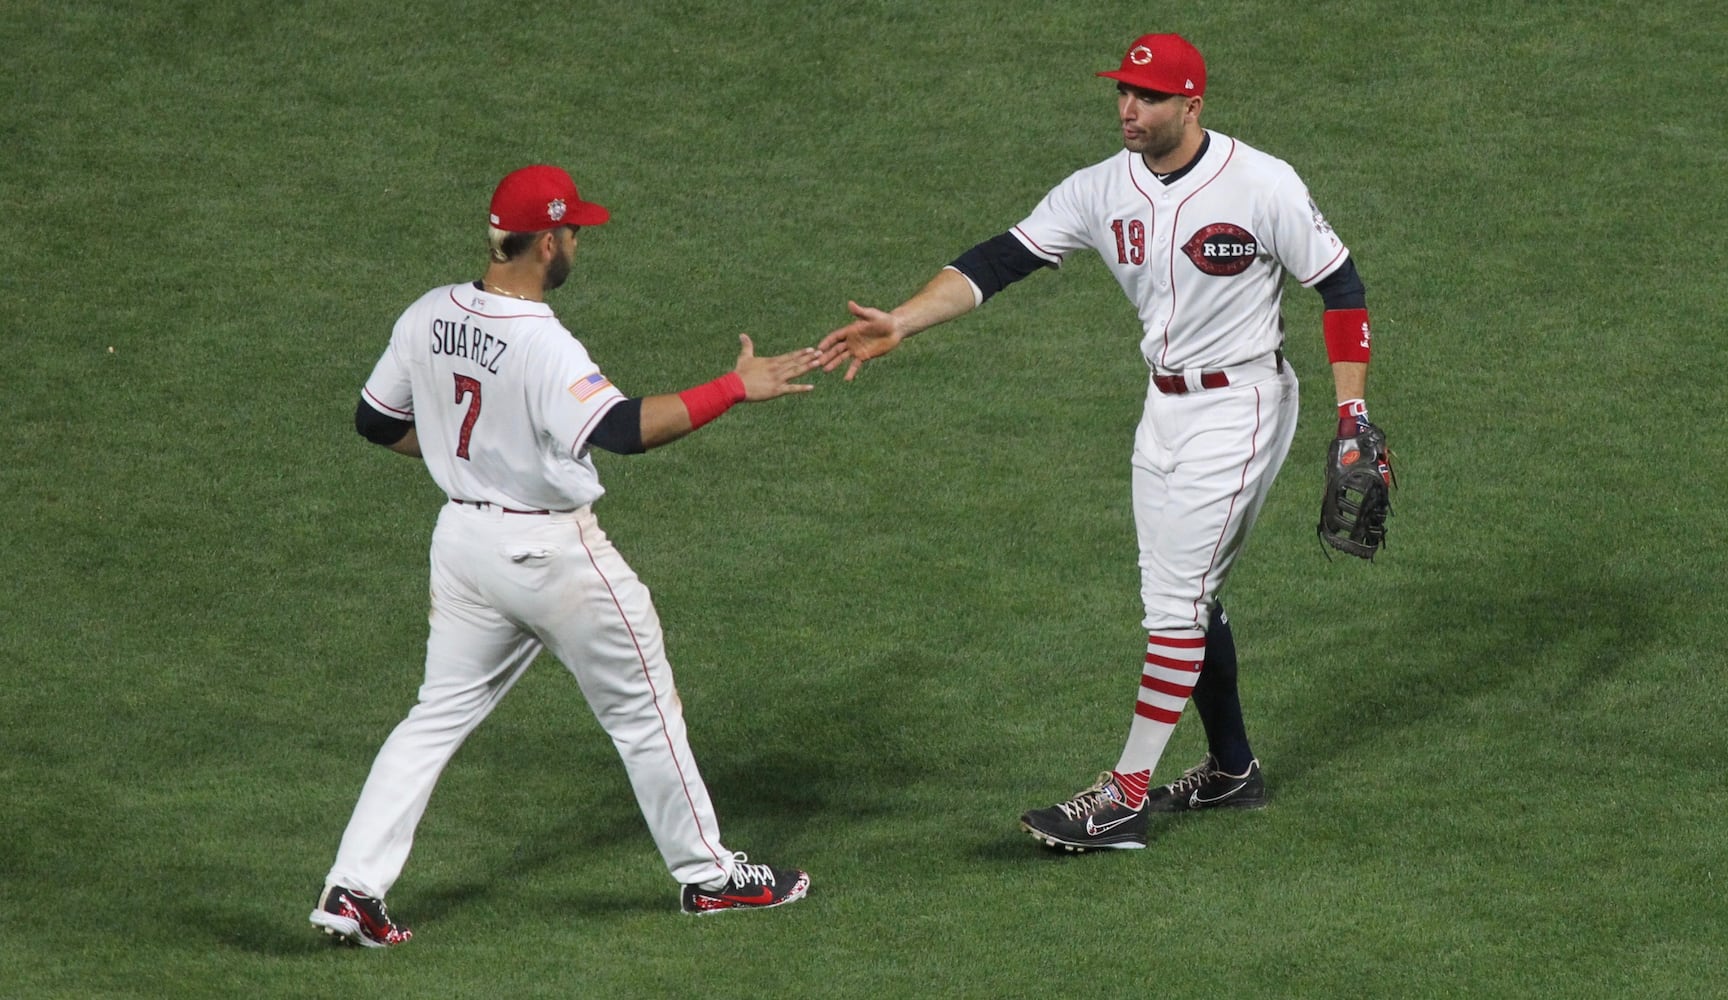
[[503, 398], [1204, 258]]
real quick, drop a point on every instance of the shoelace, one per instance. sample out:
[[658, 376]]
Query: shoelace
[[1090, 800], [744, 874], [373, 907], [377, 907], [1193, 778]]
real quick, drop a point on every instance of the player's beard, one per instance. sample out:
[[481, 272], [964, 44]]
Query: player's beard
[[1159, 143], [558, 270]]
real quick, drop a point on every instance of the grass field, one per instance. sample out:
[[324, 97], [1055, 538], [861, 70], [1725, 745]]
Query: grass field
[[903, 610]]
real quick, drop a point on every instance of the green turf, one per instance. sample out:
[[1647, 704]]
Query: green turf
[[903, 610]]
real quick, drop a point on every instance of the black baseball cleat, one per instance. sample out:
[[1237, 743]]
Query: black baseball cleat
[[1096, 819], [1205, 786], [357, 918], [751, 887]]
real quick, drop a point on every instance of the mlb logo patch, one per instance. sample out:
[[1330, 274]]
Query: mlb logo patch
[[586, 389]]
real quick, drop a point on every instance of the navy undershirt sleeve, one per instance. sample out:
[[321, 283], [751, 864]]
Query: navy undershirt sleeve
[[379, 428], [1342, 289], [620, 430], [997, 263]]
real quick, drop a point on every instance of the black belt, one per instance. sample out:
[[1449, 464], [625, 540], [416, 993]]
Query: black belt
[[507, 510]]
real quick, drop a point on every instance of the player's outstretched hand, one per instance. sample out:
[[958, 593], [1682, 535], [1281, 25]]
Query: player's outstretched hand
[[766, 378], [873, 334]]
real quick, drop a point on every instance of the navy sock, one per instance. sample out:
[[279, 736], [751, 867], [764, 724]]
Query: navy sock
[[1216, 700]]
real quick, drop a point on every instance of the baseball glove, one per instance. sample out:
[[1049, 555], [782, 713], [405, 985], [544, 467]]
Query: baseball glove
[[1358, 498]]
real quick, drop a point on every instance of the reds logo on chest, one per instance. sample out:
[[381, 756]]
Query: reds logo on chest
[[1221, 249]]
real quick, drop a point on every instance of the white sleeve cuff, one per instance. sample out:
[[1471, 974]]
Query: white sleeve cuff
[[977, 293]]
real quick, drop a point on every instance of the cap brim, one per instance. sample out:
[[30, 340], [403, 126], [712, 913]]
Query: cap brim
[[1144, 84], [585, 213]]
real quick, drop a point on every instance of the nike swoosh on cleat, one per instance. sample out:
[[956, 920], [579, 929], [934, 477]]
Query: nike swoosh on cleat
[[1195, 801], [763, 895], [1095, 828]]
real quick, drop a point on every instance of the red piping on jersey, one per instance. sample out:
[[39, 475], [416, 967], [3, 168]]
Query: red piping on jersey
[[1152, 206], [1174, 249], [1174, 222], [458, 304], [1136, 182], [383, 407], [1029, 241], [582, 435], [682, 781], [1253, 450], [1329, 264]]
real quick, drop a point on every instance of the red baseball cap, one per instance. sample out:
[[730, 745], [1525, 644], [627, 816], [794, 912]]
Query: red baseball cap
[[541, 197], [1166, 64]]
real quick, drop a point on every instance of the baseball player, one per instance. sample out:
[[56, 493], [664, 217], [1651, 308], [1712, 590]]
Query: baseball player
[[1200, 230], [483, 382]]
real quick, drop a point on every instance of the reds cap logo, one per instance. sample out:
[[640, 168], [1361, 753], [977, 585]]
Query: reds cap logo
[[1222, 249], [555, 209], [1139, 55]]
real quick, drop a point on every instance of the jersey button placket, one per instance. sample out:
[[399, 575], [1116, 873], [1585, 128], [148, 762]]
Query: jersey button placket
[[1159, 258], [1165, 237]]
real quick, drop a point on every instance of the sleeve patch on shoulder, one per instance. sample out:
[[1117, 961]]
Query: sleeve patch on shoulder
[[587, 388]]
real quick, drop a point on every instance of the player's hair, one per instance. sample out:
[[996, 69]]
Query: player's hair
[[505, 246]]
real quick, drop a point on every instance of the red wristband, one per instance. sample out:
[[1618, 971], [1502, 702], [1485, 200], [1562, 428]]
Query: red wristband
[[1347, 335], [710, 399]]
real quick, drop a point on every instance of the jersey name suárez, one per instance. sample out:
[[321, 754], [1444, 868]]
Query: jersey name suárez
[[502, 398], [1204, 258]]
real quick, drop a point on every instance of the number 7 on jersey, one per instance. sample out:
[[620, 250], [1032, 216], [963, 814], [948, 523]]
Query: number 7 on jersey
[[467, 386]]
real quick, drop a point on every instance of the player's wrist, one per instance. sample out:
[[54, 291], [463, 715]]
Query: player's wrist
[[1352, 417], [902, 325], [710, 399]]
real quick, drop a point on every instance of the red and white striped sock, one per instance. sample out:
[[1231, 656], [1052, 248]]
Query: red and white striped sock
[[1133, 786], [1172, 666]]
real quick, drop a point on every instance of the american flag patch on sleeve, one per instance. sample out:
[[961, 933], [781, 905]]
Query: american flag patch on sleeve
[[585, 389]]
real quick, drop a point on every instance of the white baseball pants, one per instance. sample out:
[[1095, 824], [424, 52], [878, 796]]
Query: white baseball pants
[[504, 586], [1204, 462]]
